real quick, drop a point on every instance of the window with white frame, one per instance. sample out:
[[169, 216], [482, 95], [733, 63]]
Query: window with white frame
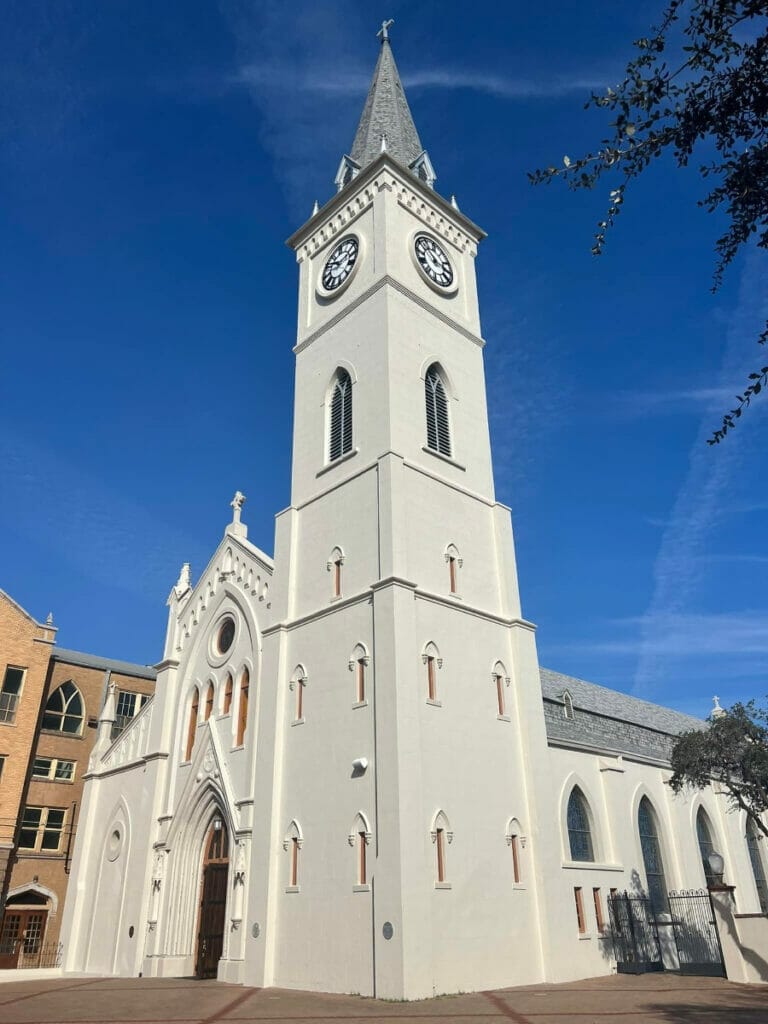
[[10, 691], [333, 565], [340, 420], [432, 662], [42, 829], [358, 664], [292, 844], [455, 562], [500, 684], [579, 827], [438, 426], [64, 711], [53, 769], [129, 704], [296, 686], [441, 837]]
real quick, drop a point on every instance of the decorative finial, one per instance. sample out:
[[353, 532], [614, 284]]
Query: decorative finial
[[316, 208], [49, 620], [184, 582], [454, 204], [237, 506], [717, 711], [383, 32]]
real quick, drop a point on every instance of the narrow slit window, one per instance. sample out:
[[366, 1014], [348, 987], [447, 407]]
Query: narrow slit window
[[228, 687], [440, 845], [515, 843], [579, 910], [431, 678], [438, 430], [599, 919], [242, 712], [362, 868], [499, 692], [452, 573], [294, 876], [192, 725], [299, 699], [337, 577], [360, 680], [209, 701], [340, 436]]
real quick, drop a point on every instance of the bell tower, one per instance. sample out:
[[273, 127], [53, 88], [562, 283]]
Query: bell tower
[[406, 695]]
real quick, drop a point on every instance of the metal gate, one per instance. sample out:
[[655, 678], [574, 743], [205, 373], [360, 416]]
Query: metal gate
[[635, 934], [696, 937]]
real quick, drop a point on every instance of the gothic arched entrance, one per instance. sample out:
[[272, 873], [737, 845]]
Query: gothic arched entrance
[[212, 913]]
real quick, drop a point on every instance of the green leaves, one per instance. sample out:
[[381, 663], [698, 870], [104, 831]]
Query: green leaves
[[718, 96], [733, 751]]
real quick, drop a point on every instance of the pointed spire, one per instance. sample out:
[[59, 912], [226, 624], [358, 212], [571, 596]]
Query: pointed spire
[[386, 114]]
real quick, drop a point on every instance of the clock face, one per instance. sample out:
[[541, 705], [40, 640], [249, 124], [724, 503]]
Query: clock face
[[340, 263], [433, 261]]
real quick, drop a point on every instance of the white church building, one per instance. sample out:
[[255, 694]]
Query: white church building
[[354, 775]]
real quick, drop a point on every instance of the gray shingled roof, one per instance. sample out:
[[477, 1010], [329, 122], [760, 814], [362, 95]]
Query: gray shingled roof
[[612, 704], [125, 668], [386, 113]]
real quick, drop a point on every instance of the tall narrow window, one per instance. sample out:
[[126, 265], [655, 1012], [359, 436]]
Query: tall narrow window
[[242, 712], [579, 830], [340, 434], [515, 842], [568, 706], [706, 846], [294, 877], [579, 909], [652, 861], [440, 846], [754, 841], [360, 680], [438, 431], [599, 920], [431, 678], [10, 691], [228, 687], [499, 680], [64, 710], [334, 565], [362, 868], [194, 707], [209, 701]]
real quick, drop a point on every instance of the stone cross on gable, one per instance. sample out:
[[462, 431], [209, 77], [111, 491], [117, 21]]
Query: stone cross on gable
[[383, 32], [237, 506]]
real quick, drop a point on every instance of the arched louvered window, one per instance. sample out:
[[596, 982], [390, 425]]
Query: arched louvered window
[[340, 436], [579, 829], [438, 430], [648, 829], [706, 845], [64, 710]]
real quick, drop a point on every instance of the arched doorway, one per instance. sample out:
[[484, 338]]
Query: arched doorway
[[213, 901], [23, 929]]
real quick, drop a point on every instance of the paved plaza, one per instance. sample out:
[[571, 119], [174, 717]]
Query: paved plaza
[[655, 999]]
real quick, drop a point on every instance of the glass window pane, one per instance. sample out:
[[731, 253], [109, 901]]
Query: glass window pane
[[27, 838], [50, 840], [71, 724], [42, 767], [32, 816], [65, 771], [13, 680], [579, 831]]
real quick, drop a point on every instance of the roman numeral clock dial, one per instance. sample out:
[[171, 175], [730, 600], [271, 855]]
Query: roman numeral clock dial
[[340, 266], [434, 264]]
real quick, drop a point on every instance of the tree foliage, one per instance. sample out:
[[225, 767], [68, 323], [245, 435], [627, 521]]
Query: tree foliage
[[714, 95], [731, 753]]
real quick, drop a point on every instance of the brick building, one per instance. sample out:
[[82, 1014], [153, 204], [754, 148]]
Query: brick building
[[49, 707]]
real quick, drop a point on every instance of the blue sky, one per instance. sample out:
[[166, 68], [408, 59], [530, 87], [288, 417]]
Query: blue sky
[[154, 157]]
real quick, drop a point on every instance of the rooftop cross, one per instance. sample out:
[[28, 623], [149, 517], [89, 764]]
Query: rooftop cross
[[383, 32]]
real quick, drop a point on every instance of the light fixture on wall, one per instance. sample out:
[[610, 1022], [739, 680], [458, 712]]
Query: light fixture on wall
[[717, 867]]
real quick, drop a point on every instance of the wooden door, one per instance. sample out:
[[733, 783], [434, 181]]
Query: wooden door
[[21, 937], [213, 904]]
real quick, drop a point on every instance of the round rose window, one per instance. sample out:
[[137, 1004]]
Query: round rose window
[[225, 636]]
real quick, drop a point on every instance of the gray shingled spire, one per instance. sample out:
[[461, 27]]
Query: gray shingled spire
[[386, 113]]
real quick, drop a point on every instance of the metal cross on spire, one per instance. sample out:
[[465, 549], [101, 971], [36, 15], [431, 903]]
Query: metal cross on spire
[[383, 32]]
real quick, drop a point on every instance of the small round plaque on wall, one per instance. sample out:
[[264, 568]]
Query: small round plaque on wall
[[256, 931], [388, 930]]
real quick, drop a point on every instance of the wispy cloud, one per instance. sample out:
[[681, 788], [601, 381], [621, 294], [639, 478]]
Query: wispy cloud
[[690, 635], [687, 401], [711, 482], [347, 82]]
